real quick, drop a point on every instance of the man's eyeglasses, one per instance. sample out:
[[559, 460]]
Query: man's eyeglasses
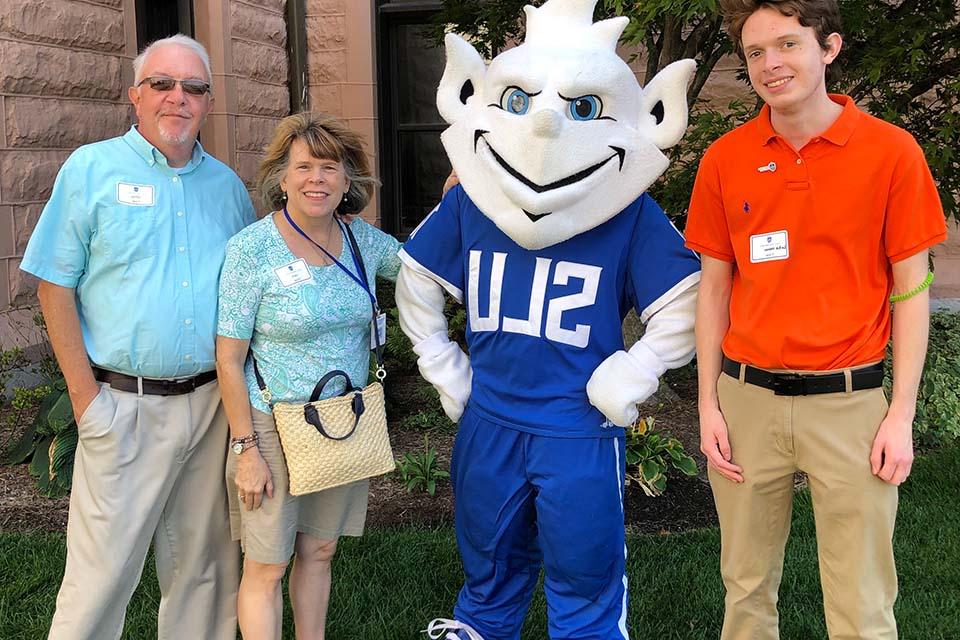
[[190, 86]]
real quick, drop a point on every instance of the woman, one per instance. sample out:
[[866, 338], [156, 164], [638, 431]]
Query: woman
[[300, 314]]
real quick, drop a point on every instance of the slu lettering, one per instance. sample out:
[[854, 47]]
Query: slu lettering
[[534, 324]]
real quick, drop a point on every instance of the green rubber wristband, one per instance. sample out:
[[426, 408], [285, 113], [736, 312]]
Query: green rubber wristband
[[900, 297]]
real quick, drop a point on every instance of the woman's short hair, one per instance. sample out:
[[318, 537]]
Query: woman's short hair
[[327, 139]]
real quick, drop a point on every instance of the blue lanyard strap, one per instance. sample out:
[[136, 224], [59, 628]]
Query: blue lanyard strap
[[353, 254]]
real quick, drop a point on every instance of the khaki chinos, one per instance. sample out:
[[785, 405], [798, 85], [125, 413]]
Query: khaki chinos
[[829, 437], [150, 468]]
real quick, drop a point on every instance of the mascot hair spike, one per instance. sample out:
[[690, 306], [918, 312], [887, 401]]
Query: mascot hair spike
[[572, 21], [548, 240]]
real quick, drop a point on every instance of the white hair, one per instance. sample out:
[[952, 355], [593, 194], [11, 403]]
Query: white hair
[[179, 40]]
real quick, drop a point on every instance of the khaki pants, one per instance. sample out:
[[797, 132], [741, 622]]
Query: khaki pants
[[828, 436], [150, 468]]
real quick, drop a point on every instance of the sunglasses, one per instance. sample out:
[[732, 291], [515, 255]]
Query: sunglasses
[[190, 86]]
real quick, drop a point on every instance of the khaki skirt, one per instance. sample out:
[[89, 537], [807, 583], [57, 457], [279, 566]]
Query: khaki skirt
[[268, 534]]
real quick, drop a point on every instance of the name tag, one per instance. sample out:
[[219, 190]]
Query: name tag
[[765, 247], [294, 273], [140, 195]]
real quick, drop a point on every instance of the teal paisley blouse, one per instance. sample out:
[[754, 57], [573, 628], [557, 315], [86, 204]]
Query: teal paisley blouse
[[300, 332]]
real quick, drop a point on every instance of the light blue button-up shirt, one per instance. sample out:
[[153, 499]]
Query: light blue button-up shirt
[[143, 244]]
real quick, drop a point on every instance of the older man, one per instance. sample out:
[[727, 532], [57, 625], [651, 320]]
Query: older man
[[128, 250]]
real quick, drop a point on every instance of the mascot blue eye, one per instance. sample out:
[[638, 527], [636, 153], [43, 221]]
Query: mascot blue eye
[[585, 108], [515, 100]]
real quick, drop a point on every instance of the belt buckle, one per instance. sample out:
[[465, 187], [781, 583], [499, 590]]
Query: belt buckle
[[789, 384]]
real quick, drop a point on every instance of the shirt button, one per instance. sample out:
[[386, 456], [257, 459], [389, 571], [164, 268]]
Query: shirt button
[[799, 161], [179, 214], [184, 284], [181, 249], [188, 322], [176, 178]]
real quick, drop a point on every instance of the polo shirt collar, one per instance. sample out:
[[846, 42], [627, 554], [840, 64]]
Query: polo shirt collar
[[152, 156], [838, 133]]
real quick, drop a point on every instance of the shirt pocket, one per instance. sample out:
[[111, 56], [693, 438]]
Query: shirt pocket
[[130, 233]]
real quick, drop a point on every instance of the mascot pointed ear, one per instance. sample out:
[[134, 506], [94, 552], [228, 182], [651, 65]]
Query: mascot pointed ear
[[462, 77], [663, 105]]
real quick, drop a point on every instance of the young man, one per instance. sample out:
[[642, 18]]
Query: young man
[[808, 218], [128, 251]]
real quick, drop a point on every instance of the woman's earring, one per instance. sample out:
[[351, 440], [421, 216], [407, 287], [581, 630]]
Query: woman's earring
[[284, 196]]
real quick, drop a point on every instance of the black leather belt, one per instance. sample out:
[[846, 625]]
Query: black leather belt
[[151, 386], [799, 384]]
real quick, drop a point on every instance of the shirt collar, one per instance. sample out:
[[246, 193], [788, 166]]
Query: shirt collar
[[153, 156], [838, 133]]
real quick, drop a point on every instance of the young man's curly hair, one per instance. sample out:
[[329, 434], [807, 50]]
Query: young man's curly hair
[[823, 16]]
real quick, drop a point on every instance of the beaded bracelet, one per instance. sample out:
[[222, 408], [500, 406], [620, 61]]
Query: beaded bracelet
[[900, 297]]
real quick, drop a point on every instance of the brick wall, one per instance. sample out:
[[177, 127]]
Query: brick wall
[[259, 41], [62, 65]]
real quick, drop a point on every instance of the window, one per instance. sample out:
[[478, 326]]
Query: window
[[413, 164], [161, 18]]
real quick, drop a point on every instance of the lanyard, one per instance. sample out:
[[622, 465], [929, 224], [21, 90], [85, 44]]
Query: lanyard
[[353, 254]]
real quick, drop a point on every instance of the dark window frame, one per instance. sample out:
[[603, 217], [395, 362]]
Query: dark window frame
[[146, 21], [297, 56], [390, 15]]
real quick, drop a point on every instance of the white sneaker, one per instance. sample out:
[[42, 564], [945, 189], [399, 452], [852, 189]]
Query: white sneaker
[[437, 627]]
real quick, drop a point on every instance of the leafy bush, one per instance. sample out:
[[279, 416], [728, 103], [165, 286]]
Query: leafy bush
[[419, 471], [938, 402], [50, 441], [650, 454], [427, 420]]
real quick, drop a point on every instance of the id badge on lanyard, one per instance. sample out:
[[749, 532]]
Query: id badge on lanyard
[[378, 331]]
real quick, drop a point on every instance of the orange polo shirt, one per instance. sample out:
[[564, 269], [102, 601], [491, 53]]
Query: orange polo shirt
[[812, 234]]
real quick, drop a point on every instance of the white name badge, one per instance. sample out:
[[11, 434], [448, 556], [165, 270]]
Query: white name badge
[[294, 273], [381, 328], [140, 195], [765, 247]]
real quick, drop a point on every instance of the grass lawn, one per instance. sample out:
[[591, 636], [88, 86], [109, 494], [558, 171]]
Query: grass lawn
[[390, 583]]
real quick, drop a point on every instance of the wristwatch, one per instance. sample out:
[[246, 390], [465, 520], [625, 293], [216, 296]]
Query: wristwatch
[[239, 445]]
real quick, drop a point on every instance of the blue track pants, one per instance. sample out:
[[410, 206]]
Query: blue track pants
[[524, 501]]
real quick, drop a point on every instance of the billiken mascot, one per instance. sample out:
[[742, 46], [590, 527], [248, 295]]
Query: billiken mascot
[[549, 240]]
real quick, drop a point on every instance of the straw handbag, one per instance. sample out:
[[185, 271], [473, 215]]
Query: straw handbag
[[336, 441], [339, 440]]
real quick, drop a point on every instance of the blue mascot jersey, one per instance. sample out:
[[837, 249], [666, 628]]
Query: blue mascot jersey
[[540, 322]]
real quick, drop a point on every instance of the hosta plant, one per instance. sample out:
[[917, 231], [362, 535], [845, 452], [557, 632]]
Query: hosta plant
[[49, 442], [650, 454]]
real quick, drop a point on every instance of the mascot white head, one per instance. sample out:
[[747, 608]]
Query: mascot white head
[[556, 136]]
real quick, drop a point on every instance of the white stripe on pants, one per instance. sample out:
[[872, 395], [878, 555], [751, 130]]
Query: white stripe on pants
[[150, 468]]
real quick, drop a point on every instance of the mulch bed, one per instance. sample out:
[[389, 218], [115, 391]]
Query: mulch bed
[[687, 503]]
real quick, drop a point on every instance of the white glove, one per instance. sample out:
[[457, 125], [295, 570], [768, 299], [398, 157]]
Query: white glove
[[444, 365], [624, 380]]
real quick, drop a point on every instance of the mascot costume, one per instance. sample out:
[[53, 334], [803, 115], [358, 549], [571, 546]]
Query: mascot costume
[[549, 240]]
